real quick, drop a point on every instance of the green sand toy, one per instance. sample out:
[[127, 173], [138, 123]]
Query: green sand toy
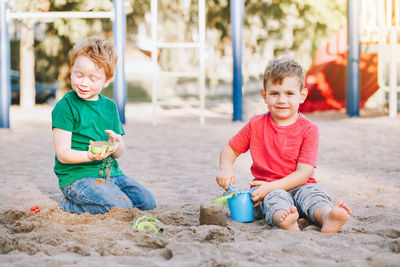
[[148, 225], [99, 146], [224, 199]]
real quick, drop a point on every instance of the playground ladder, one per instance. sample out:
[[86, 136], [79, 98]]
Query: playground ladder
[[381, 19], [200, 45]]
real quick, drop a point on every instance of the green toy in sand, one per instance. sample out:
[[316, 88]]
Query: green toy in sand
[[148, 225]]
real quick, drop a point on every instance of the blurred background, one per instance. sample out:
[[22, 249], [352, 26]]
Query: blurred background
[[271, 28]]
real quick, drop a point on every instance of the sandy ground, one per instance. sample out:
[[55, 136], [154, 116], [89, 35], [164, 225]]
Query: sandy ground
[[178, 160]]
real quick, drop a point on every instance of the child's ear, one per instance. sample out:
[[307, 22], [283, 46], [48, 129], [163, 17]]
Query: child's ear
[[303, 95], [264, 94], [107, 83]]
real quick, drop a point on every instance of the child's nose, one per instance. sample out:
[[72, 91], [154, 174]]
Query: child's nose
[[84, 81], [282, 98]]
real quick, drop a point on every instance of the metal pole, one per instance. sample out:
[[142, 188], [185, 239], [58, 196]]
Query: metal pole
[[5, 83], [393, 73], [353, 60], [154, 59], [202, 34], [237, 11], [119, 34]]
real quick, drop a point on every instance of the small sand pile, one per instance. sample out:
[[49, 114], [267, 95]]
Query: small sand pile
[[212, 214]]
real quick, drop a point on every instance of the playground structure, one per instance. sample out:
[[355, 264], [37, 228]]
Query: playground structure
[[117, 15], [327, 78], [377, 63], [389, 51], [237, 13], [119, 33], [200, 45]]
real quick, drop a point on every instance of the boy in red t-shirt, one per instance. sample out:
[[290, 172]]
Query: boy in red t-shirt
[[284, 148]]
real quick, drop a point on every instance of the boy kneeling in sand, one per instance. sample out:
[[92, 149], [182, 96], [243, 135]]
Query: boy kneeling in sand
[[284, 149], [92, 182]]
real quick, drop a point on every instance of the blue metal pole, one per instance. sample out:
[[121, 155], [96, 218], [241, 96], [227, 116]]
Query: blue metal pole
[[119, 34], [5, 83], [353, 60], [237, 11]]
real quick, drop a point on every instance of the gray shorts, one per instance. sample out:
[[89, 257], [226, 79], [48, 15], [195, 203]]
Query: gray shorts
[[306, 198]]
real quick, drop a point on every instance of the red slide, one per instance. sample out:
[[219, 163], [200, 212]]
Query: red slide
[[326, 78]]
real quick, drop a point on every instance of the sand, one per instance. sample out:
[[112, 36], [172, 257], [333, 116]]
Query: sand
[[178, 160]]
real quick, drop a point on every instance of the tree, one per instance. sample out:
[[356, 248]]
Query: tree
[[27, 67], [271, 28]]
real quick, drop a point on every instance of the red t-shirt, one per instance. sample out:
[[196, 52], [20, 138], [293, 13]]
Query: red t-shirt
[[276, 149]]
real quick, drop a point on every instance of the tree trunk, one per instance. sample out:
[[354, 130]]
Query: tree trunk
[[27, 64]]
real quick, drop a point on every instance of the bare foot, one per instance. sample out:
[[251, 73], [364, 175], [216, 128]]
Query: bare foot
[[288, 220], [337, 217]]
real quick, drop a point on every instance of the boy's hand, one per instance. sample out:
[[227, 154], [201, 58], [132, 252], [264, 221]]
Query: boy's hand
[[98, 156], [225, 178], [118, 143], [258, 195], [113, 137]]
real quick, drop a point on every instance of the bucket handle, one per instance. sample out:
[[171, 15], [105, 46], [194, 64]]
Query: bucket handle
[[224, 199]]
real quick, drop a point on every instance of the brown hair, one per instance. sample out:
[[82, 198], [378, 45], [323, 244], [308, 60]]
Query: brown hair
[[283, 67], [100, 51]]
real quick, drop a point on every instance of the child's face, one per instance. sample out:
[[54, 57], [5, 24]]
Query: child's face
[[87, 80], [283, 100]]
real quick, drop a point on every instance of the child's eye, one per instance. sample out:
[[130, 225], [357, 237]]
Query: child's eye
[[273, 93], [93, 78], [77, 74]]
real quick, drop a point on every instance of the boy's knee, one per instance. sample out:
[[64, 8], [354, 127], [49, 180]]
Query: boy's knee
[[146, 201], [122, 203], [279, 199], [115, 200], [125, 203], [310, 194], [276, 193]]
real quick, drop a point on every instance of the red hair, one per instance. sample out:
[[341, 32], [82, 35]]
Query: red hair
[[100, 51]]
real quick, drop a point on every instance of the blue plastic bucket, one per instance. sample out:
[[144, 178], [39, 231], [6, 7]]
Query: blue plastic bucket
[[241, 206]]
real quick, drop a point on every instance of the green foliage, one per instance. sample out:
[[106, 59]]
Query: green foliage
[[218, 16], [23, 5], [133, 91], [309, 22], [299, 27], [53, 50]]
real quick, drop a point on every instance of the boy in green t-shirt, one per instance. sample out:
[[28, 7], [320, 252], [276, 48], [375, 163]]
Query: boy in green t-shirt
[[92, 182]]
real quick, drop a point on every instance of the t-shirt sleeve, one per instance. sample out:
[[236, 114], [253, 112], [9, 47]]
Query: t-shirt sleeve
[[309, 148], [241, 141], [61, 116], [118, 129]]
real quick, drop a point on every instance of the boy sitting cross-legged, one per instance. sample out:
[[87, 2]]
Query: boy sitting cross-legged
[[284, 149]]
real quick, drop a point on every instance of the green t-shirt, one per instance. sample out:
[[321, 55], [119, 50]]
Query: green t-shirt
[[87, 121]]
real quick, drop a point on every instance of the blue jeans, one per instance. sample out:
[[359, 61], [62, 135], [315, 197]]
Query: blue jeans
[[306, 198], [99, 196]]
